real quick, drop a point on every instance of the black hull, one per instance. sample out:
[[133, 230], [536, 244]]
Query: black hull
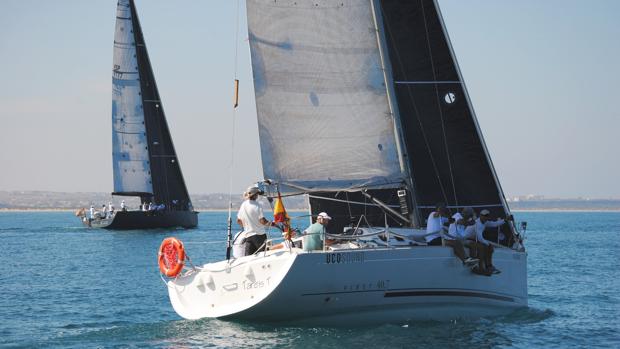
[[124, 220]]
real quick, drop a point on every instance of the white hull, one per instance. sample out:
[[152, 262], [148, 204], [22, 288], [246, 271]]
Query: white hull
[[357, 286]]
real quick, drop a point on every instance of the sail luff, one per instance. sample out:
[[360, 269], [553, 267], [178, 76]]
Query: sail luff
[[168, 182]]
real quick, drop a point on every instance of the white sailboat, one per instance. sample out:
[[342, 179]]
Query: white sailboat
[[361, 106]]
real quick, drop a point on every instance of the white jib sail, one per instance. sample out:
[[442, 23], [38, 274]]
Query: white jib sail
[[323, 113], [129, 143]]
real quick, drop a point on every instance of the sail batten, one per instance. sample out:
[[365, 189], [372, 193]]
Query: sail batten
[[323, 112]]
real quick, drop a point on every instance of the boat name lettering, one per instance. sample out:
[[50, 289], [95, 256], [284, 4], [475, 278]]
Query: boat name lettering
[[248, 285], [336, 258]]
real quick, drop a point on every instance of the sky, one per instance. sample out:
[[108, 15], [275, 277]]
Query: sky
[[542, 75]]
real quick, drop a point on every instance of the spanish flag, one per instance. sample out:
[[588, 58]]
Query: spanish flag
[[280, 215]]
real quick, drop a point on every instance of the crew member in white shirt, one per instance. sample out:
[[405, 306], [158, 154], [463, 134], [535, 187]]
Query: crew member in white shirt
[[104, 211], [110, 209], [92, 212], [463, 229], [251, 218], [123, 208], [435, 224], [453, 240], [462, 224]]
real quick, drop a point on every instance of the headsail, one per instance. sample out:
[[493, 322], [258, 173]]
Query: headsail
[[447, 156], [323, 113], [140, 133]]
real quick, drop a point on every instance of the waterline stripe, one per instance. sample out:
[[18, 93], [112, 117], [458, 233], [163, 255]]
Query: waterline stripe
[[425, 82], [427, 293]]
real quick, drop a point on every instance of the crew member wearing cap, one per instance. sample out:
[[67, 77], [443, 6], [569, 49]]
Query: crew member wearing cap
[[314, 235], [435, 236], [252, 219], [482, 223], [460, 229], [462, 225]]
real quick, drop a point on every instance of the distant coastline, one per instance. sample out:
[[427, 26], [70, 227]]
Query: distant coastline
[[551, 210], [46, 201]]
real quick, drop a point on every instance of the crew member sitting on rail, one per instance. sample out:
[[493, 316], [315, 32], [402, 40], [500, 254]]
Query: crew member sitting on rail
[[435, 224], [461, 229], [481, 224], [123, 208], [104, 212]]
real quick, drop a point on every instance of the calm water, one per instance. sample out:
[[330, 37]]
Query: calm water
[[66, 286]]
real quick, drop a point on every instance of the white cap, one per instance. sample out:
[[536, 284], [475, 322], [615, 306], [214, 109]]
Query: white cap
[[252, 190], [323, 215], [485, 212]]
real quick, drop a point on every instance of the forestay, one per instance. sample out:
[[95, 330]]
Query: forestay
[[323, 113], [129, 142]]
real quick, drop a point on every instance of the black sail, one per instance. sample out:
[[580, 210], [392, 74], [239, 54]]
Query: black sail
[[167, 179], [445, 149]]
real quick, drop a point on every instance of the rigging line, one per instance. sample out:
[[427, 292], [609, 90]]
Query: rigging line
[[415, 107], [443, 129], [347, 201], [234, 116]]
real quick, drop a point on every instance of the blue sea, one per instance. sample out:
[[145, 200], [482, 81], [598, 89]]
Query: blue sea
[[63, 285]]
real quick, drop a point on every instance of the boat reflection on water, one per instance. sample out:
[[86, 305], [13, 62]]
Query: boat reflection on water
[[457, 333]]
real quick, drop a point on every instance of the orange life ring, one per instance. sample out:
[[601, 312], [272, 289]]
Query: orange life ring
[[171, 257]]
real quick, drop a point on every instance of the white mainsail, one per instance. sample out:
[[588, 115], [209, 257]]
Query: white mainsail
[[129, 144], [323, 112]]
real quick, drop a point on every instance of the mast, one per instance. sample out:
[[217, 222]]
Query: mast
[[320, 78], [398, 131]]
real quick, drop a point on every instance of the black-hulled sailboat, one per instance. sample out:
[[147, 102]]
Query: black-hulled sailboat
[[361, 106], [144, 160]]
